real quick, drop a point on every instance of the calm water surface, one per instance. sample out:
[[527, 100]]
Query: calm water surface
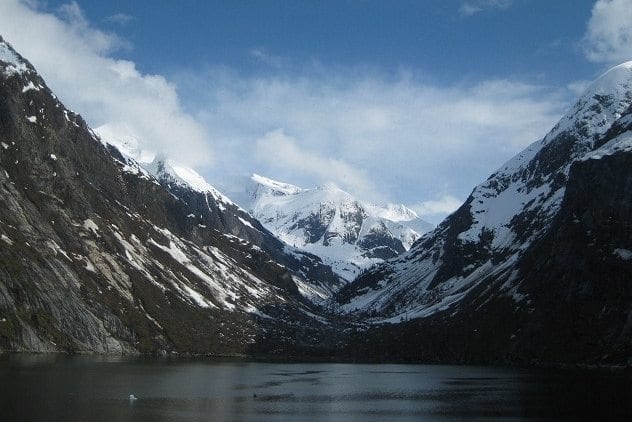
[[97, 389]]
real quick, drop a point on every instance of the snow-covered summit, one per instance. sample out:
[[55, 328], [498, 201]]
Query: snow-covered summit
[[530, 181], [396, 212], [162, 168], [121, 136], [14, 63], [600, 105], [263, 186], [346, 233]]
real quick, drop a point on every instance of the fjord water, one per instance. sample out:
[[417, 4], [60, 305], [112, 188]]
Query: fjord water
[[96, 388]]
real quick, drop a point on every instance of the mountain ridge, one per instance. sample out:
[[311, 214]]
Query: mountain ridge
[[98, 255]]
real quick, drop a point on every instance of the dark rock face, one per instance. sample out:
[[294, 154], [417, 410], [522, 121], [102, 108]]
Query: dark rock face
[[579, 307], [578, 276], [379, 243], [315, 225], [94, 257]]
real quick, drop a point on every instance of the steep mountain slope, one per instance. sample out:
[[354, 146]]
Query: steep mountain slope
[[314, 279], [346, 233], [96, 254], [537, 262]]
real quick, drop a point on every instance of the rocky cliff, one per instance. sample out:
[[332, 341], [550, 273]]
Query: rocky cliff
[[98, 255]]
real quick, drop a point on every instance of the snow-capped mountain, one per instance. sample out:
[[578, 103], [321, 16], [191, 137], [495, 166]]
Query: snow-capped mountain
[[348, 234], [100, 254], [143, 161], [505, 214], [314, 278], [548, 232]]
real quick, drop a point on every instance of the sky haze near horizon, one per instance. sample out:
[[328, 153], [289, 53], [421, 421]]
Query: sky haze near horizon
[[405, 101]]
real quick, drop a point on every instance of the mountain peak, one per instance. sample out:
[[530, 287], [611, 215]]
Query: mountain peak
[[614, 77], [15, 63], [275, 186], [601, 104], [173, 172], [158, 164], [397, 212], [123, 138], [329, 186], [346, 233]]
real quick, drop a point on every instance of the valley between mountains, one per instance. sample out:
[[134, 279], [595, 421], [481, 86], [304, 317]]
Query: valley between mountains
[[103, 250]]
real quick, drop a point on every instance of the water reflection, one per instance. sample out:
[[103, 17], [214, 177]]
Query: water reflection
[[48, 387]]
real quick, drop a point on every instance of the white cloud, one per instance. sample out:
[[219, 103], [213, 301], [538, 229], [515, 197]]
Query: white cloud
[[472, 7], [608, 38], [279, 149], [386, 138], [578, 87], [120, 19], [439, 207], [394, 137], [262, 55], [76, 61]]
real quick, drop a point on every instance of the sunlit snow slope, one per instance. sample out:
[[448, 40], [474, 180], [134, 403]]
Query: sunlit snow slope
[[348, 234]]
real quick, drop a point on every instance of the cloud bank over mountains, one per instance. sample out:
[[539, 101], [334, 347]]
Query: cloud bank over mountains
[[378, 136], [385, 137]]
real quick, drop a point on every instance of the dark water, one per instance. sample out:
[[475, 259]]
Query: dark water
[[97, 389]]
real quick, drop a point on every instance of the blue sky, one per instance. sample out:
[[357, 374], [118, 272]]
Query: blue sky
[[394, 101], [525, 38]]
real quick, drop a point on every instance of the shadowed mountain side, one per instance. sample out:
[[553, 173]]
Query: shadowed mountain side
[[99, 256]]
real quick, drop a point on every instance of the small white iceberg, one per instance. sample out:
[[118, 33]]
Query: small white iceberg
[[132, 397]]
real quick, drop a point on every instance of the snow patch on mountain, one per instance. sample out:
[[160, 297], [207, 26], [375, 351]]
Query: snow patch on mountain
[[128, 144], [620, 143]]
